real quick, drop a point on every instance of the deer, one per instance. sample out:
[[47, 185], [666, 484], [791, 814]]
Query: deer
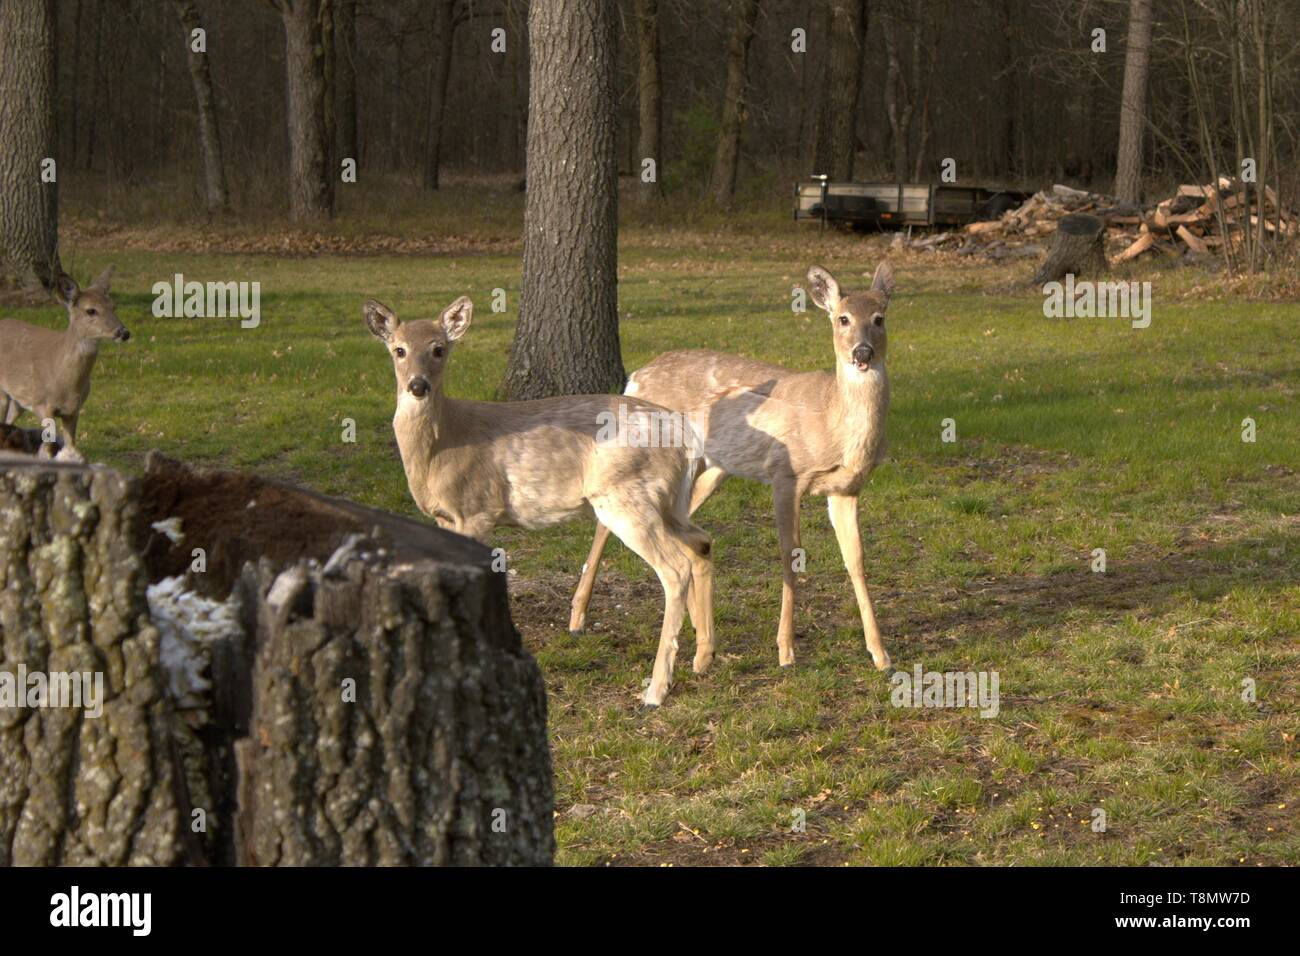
[[800, 432], [47, 372], [476, 465]]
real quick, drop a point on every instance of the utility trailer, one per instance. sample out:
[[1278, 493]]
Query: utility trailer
[[900, 204]]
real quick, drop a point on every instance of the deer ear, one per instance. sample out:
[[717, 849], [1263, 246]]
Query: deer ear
[[66, 288], [380, 319], [102, 280], [883, 282], [823, 288], [456, 317]]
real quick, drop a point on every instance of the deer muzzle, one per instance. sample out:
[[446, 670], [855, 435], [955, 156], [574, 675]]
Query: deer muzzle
[[862, 355], [418, 386]]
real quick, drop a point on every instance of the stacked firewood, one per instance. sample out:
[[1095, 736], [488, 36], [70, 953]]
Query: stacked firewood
[[1197, 219]]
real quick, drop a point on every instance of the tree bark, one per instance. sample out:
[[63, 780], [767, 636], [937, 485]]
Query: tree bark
[[1132, 114], [29, 207], [373, 709], [566, 342], [848, 35], [649, 98], [214, 173], [899, 105], [311, 179], [1079, 247], [345, 78], [735, 108], [444, 29]]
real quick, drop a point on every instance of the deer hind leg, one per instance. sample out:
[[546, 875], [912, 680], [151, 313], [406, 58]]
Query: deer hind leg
[[582, 596], [786, 499], [698, 548], [646, 533], [11, 407], [844, 519], [705, 485]]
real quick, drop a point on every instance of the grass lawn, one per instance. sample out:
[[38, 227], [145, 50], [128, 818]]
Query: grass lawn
[[1120, 691]]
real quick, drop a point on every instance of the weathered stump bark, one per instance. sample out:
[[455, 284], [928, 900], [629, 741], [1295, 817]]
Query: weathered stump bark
[[376, 708], [1079, 247]]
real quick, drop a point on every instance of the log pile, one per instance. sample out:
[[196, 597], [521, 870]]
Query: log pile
[[1197, 220]]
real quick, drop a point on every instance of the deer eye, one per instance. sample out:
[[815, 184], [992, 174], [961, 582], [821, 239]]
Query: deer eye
[[844, 320], [92, 312], [437, 351], [878, 319], [399, 352]]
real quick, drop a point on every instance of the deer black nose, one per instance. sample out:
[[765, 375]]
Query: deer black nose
[[862, 354], [123, 335], [419, 386]]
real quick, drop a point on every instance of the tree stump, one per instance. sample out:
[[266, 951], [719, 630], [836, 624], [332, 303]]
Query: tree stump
[[371, 705], [1079, 247]]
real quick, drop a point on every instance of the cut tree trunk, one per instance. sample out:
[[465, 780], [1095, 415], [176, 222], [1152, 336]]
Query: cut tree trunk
[[29, 207], [373, 704], [1079, 247], [566, 341]]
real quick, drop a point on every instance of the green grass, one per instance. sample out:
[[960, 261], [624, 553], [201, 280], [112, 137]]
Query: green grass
[[1120, 691]]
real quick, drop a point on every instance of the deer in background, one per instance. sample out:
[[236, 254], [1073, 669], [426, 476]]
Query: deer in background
[[474, 465], [47, 372], [799, 432]]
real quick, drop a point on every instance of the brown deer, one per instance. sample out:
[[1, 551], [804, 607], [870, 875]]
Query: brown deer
[[799, 432], [47, 372], [475, 465]]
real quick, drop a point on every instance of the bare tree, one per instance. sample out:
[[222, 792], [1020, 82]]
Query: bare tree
[[444, 25], [735, 107], [1133, 102], [29, 205], [214, 173], [836, 140], [311, 176], [566, 342], [649, 96], [345, 78]]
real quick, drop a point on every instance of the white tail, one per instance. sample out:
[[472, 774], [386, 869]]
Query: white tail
[[799, 432], [48, 372], [475, 465]]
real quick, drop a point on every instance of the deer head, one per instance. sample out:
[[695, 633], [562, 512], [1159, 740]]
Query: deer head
[[857, 319], [419, 350], [90, 310]]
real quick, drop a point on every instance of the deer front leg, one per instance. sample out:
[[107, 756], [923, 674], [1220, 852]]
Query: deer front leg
[[844, 519], [786, 498], [70, 430], [46, 416], [11, 407]]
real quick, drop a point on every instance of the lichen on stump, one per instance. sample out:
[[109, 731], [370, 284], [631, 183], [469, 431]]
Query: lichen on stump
[[376, 709]]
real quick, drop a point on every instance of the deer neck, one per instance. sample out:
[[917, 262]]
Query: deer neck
[[420, 427], [858, 411], [75, 359]]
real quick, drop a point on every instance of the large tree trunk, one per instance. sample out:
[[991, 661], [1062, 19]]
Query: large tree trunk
[[345, 78], [29, 207], [1133, 110], [444, 29], [371, 704], [649, 97], [735, 108], [899, 103], [311, 179], [848, 36], [214, 174], [566, 342]]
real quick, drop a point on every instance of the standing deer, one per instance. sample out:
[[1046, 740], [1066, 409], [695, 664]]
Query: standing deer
[[46, 371], [799, 432], [475, 465]]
